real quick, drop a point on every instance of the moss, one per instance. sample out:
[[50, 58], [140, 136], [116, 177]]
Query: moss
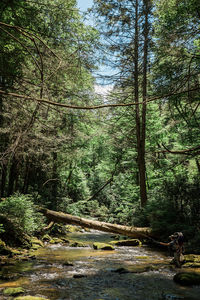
[[192, 258], [36, 243], [13, 291], [72, 228], [46, 238], [185, 278], [77, 244], [103, 246], [56, 241]]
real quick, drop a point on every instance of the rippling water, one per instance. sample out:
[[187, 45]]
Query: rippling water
[[127, 273]]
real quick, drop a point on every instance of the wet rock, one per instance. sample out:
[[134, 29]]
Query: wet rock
[[103, 246], [13, 291], [187, 278], [121, 271], [67, 263], [131, 242], [77, 244], [79, 276], [171, 297], [30, 298]]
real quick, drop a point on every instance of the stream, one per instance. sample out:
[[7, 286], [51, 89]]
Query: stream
[[66, 273]]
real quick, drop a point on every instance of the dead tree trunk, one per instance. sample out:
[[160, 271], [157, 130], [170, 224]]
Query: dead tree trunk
[[134, 232]]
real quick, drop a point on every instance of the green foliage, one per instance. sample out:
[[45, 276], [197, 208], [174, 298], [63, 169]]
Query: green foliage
[[21, 209], [174, 206]]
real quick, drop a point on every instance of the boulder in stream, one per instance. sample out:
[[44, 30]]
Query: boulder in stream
[[187, 278], [13, 291], [191, 261], [103, 246]]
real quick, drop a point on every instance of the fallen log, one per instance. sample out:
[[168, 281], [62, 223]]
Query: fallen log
[[135, 232]]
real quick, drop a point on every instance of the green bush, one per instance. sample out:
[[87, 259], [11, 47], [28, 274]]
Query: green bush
[[21, 209]]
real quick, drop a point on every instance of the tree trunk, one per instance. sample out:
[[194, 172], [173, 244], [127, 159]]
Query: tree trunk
[[60, 217]]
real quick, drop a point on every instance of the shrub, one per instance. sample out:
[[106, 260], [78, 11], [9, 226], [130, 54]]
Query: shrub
[[21, 209]]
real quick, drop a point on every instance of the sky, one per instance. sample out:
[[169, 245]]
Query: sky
[[84, 4]]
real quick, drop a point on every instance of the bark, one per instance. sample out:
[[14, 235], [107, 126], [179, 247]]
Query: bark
[[135, 232]]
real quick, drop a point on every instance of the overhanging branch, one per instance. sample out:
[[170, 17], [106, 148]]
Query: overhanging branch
[[42, 100]]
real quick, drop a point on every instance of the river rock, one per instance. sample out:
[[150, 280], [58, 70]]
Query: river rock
[[103, 246], [131, 242], [30, 298], [187, 278], [36, 243], [77, 244], [72, 228], [13, 291], [191, 261]]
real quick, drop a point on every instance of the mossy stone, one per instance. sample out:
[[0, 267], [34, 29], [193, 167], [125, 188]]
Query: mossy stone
[[187, 278], [36, 243], [192, 258], [103, 246], [13, 291], [72, 228], [77, 244]]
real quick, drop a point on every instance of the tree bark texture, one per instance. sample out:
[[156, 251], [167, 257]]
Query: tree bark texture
[[135, 232]]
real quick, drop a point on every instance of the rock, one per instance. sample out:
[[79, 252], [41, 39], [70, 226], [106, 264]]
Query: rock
[[192, 258], [30, 298], [67, 263], [131, 242], [103, 246], [13, 291], [46, 238], [56, 241], [36, 243], [77, 244], [121, 271], [187, 278], [72, 228], [191, 261], [171, 297], [79, 276]]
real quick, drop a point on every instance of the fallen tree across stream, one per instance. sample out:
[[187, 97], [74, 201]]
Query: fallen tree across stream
[[135, 232]]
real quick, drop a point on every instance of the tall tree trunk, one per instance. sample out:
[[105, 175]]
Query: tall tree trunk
[[142, 168], [140, 116]]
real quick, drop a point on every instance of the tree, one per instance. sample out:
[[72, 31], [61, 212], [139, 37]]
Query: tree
[[49, 54], [127, 31]]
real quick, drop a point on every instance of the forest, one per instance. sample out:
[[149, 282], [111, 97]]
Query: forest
[[122, 148]]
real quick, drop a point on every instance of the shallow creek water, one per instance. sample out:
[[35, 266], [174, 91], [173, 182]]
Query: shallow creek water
[[127, 273]]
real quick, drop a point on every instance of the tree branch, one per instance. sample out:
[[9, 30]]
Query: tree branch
[[95, 106]]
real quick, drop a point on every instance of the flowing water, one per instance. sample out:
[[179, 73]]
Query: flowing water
[[127, 273]]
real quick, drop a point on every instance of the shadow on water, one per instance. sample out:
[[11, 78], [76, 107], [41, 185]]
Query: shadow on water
[[128, 273]]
